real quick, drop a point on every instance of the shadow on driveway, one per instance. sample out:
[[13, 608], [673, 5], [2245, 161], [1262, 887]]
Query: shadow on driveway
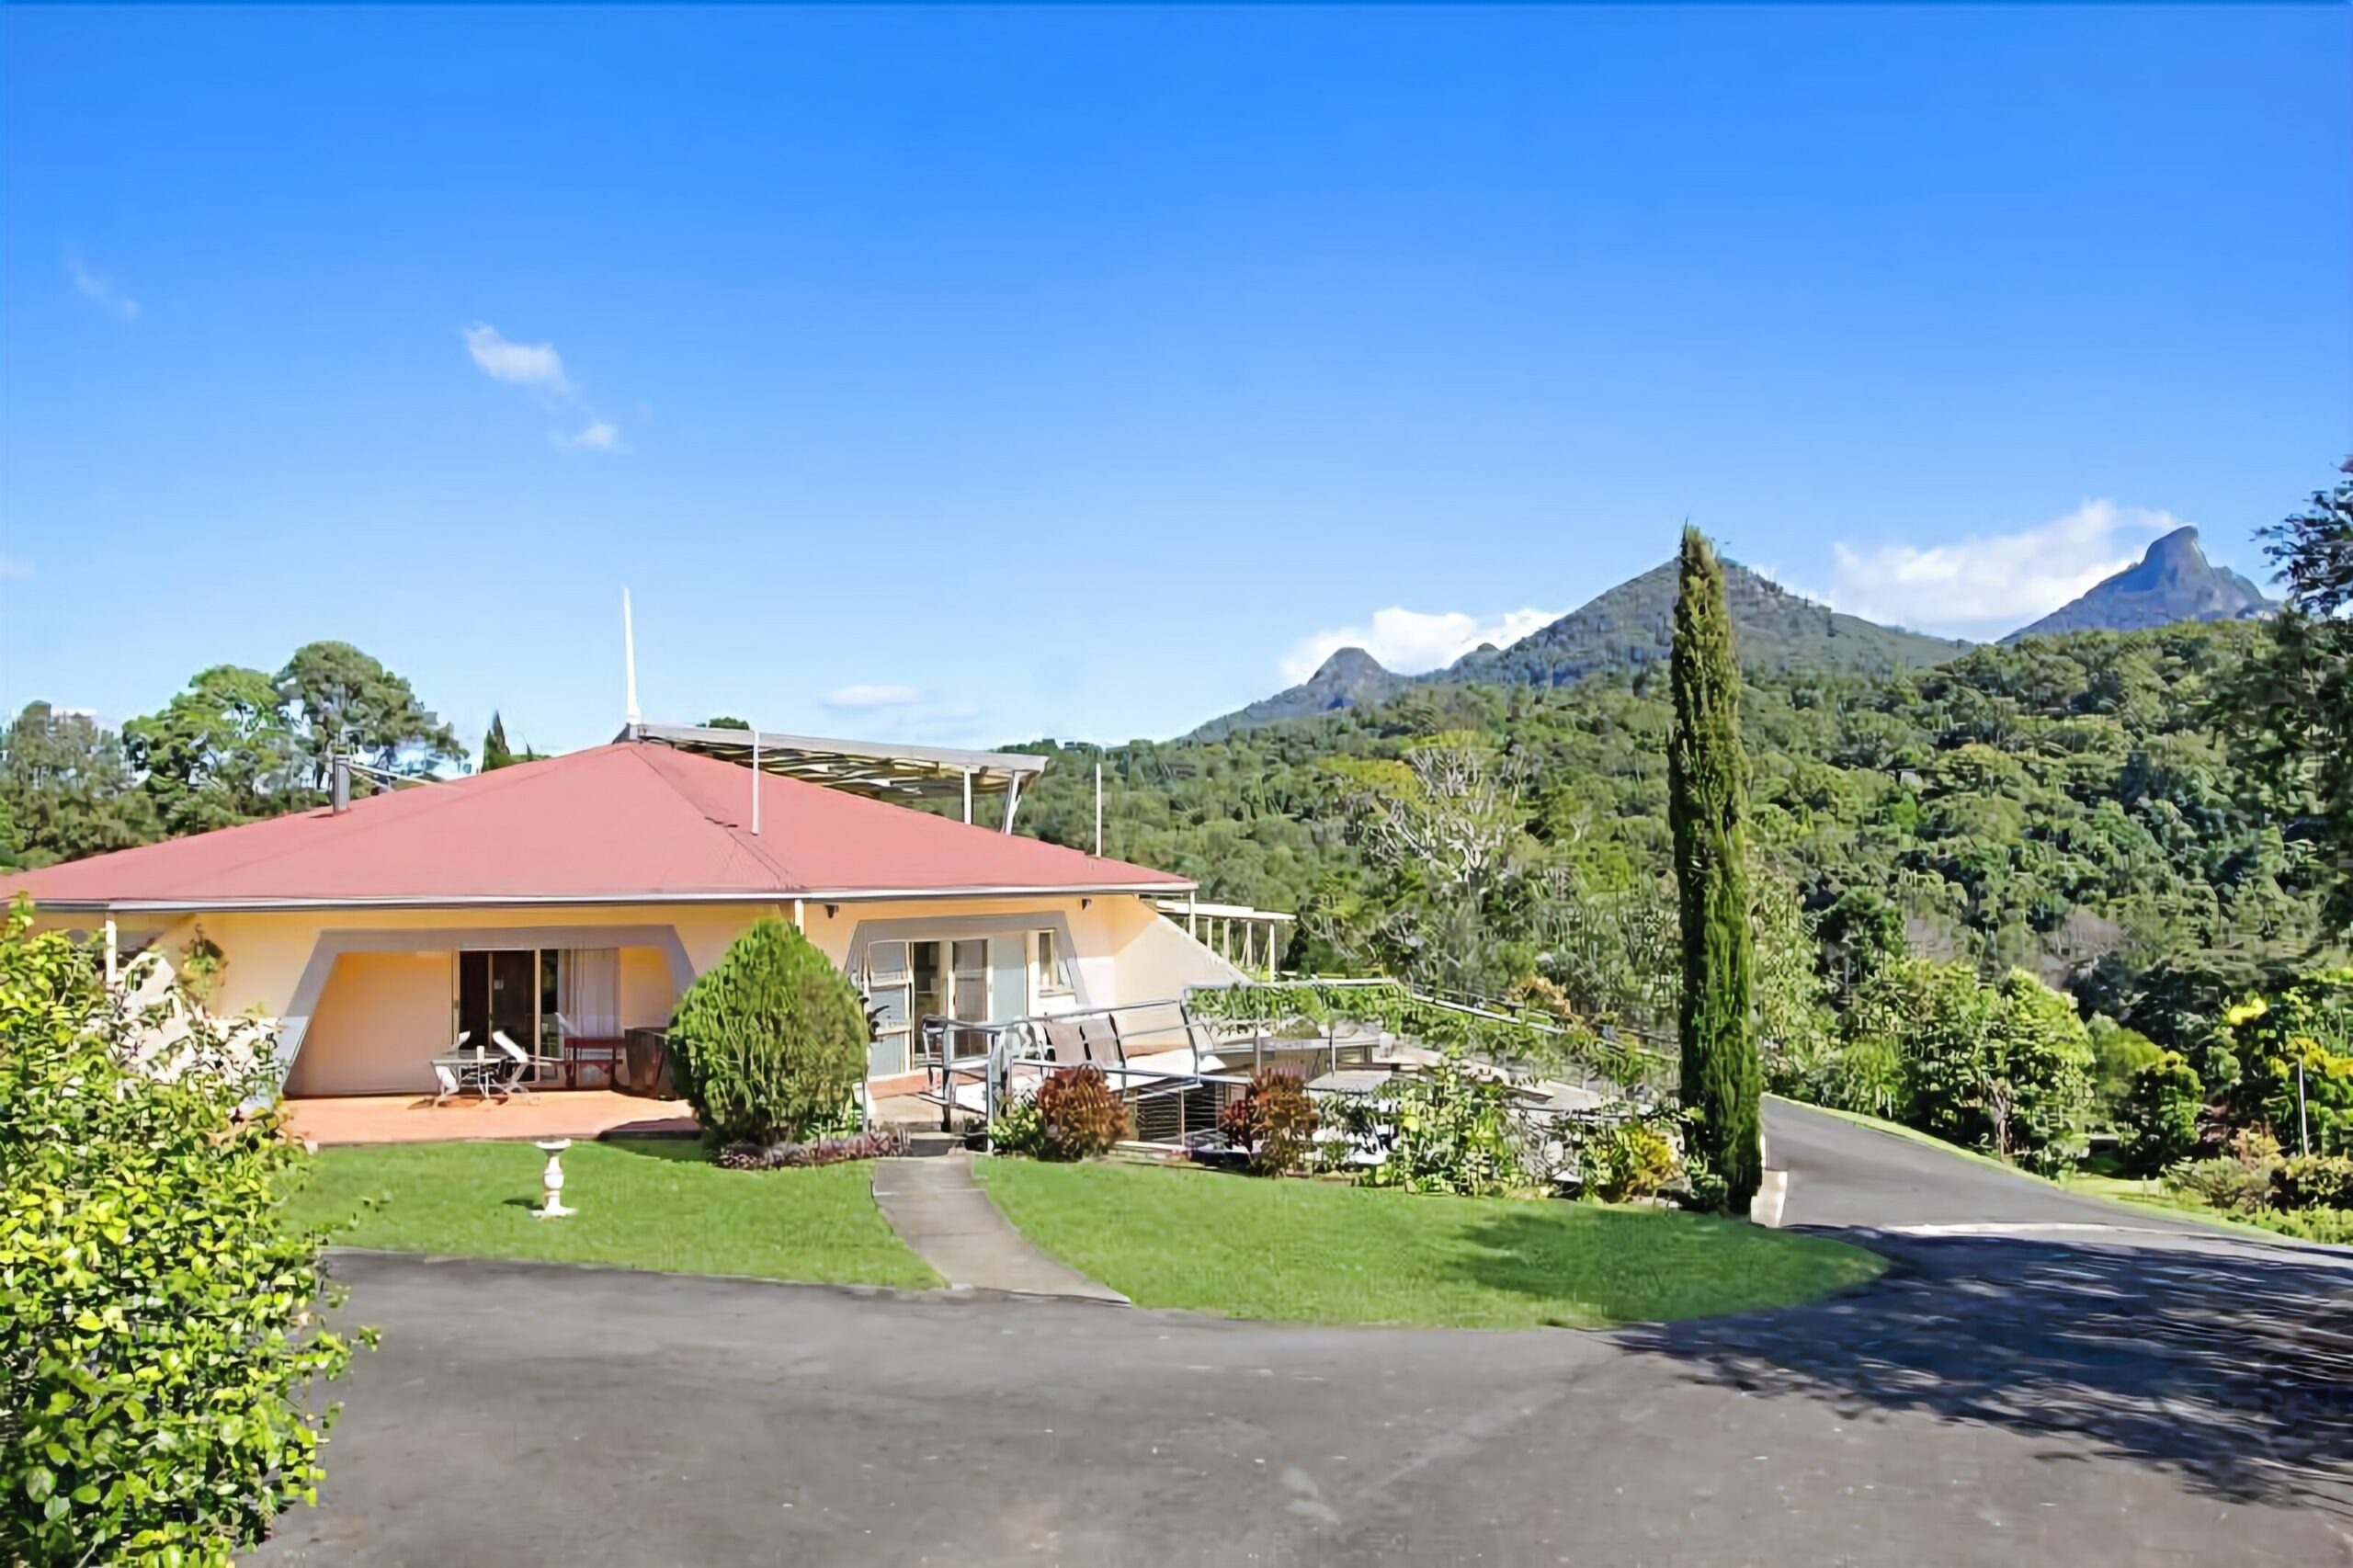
[[2230, 1368]]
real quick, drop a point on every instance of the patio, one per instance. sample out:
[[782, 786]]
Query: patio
[[415, 1118]]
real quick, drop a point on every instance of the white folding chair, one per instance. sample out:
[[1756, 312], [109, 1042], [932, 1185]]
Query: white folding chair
[[520, 1062], [442, 1073]]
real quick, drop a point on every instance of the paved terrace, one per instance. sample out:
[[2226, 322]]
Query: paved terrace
[[552, 1113]]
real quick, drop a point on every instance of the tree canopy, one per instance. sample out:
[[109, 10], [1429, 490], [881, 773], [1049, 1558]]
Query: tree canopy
[[234, 745]]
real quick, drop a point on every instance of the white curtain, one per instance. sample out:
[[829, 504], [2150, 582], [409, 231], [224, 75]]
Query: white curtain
[[589, 992]]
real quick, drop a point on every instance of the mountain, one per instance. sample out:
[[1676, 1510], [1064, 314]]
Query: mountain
[[1631, 625], [1627, 628], [2174, 582], [1349, 678]]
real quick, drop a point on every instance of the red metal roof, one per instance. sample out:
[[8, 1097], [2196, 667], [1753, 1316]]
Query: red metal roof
[[623, 822]]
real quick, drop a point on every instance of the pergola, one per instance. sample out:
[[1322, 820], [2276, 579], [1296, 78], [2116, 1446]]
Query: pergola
[[884, 771]]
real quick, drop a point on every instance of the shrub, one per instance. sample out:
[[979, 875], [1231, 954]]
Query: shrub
[[2118, 1055], [2222, 1184], [2335, 1225], [2005, 1068], [2294, 1051], [1083, 1118], [1018, 1129], [1444, 1129], [2158, 1114], [1275, 1121], [2238, 1182], [2313, 1181], [1625, 1161], [157, 1339], [876, 1143], [771, 1040]]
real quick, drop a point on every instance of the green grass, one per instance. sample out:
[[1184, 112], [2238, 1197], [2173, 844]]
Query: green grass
[[642, 1204], [2148, 1194], [2142, 1194], [1316, 1252]]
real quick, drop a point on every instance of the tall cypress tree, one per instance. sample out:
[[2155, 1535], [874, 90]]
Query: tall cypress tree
[[496, 752], [1707, 803]]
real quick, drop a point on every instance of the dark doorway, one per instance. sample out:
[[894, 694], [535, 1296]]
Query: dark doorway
[[498, 991]]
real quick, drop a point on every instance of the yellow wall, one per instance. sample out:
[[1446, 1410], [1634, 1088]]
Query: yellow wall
[[646, 998], [1125, 951], [381, 1019]]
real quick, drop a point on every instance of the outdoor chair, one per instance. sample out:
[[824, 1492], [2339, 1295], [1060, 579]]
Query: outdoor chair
[[445, 1075], [522, 1066]]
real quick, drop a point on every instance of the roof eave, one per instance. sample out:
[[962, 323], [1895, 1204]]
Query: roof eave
[[533, 901]]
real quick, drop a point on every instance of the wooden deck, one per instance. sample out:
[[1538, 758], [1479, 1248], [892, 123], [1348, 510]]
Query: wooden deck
[[553, 1113]]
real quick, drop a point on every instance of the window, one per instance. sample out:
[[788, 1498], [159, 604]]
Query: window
[[887, 992], [1052, 978], [973, 980]]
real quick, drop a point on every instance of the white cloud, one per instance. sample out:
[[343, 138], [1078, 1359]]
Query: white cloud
[[539, 368], [598, 435], [862, 697], [523, 364], [98, 291], [1411, 641], [14, 569], [1988, 584]]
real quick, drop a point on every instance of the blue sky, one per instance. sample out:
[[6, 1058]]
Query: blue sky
[[975, 376]]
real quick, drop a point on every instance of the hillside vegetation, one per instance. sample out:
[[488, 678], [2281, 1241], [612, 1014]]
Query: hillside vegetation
[[2064, 806]]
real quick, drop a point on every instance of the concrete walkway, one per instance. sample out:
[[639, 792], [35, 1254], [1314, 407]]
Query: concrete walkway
[[941, 1212]]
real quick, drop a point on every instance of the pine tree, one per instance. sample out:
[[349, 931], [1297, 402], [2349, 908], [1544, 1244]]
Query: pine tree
[[1707, 799], [496, 752]]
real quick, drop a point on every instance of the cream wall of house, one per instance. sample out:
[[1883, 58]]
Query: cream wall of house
[[381, 1019], [1159, 960], [1123, 952]]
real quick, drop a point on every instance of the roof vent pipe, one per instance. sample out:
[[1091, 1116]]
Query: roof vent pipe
[[342, 785]]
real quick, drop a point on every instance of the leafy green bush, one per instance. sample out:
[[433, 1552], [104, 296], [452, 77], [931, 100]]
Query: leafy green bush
[[2158, 1116], [1273, 1121], [2313, 1181], [1444, 1129], [1625, 1161], [770, 1041], [2333, 1225], [1019, 1128], [2005, 1068], [2222, 1183], [2236, 1183], [2118, 1055], [157, 1335], [2294, 1055], [1083, 1116]]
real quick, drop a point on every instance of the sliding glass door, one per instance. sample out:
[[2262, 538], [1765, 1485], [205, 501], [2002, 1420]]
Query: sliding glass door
[[499, 993], [973, 980]]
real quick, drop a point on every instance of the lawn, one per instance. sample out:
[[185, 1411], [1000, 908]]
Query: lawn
[[1316, 1252], [642, 1204]]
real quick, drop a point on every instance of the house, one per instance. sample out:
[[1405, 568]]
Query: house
[[577, 897]]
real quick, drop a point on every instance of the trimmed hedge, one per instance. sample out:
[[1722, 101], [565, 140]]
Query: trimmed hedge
[[770, 1041]]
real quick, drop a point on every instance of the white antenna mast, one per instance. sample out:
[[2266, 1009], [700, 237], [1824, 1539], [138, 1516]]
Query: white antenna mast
[[629, 662], [756, 781]]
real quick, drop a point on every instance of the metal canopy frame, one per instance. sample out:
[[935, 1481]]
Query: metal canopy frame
[[882, 770]]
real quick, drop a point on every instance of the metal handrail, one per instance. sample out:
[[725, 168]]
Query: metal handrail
[[1466, 1002]]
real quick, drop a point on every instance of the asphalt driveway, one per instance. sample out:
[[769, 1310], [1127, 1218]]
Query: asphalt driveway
[[1844, 1174], [2082, 1397]]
